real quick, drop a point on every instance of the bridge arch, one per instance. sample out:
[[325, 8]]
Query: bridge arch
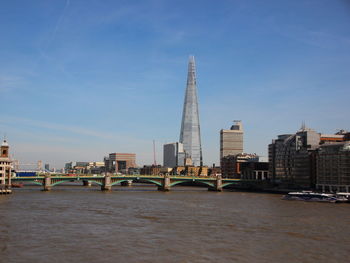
[[95, 182], [228, 183], [142, 181], [35, 182], [204, 183], [75, 180], [60, 182]]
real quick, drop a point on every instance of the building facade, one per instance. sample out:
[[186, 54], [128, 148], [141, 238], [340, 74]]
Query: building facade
[[5, 165], [231, 165], [292, 158], [231, 141], [333, 167], [120, 162], [257, 171], [173, 155], [150, 170], [190, 135]]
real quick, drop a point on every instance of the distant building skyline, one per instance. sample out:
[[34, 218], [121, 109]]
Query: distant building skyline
[[79, 79], [190, 135]]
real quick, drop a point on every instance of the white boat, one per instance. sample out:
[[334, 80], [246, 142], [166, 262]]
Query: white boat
[[313, 197], [343, 195]]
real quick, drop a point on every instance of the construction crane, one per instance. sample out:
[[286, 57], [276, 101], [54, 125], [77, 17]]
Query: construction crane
[[154, 153]]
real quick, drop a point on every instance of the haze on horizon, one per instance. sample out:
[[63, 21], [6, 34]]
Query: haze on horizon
[[80, 79]]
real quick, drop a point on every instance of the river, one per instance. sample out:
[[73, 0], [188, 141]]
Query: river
[[187, 224]]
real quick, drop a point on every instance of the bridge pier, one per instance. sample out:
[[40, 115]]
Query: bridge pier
[[166, 184], [106, 186], [126, 183], [217, 185], [86, 183], [47, 183]]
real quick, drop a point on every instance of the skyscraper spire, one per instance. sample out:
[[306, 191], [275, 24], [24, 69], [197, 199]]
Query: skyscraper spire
[[190, 134]]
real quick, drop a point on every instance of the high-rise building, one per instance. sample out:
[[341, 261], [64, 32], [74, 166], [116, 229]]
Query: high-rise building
[[173, 155], [190, 129], [231, 141], [292, 158]]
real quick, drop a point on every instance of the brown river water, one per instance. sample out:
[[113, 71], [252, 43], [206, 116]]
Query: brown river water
[[187, 224]]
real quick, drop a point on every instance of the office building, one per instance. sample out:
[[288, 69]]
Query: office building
[[333, 167], [231, 141], [120, 162], [173, 155], [190, 135], [292, 158]]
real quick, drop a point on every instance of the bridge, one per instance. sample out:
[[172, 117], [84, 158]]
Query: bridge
[[106, 182]]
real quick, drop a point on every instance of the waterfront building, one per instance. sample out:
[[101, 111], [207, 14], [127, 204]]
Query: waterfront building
[[5, 165], [173, 155], [257, 171], [119, 162], [231, 164], [292, 158], [231, 141], [190, 129], [333, 167]]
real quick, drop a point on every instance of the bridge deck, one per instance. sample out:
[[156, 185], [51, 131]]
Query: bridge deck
[[121, 177]]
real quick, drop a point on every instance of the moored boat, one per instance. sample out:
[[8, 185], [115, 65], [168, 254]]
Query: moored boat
[[343, 195], [313, 197]]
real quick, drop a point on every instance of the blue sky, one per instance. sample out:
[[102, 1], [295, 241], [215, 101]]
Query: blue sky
[[81, 79]]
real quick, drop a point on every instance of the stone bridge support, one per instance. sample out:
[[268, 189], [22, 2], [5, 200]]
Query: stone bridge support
[[217, 185], [107, 183], [166, 184], [47, 183]]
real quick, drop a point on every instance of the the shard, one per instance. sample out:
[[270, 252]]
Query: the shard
[[190, 134]]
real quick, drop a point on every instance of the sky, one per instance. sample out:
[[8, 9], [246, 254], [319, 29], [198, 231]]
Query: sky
[[80, 79]]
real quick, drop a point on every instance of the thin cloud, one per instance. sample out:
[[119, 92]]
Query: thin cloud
[[59, 21], [78, 130], [316, 38], [8, 83]]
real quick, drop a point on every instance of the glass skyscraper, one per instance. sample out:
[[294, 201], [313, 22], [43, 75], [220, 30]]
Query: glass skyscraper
[[190, 134]]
